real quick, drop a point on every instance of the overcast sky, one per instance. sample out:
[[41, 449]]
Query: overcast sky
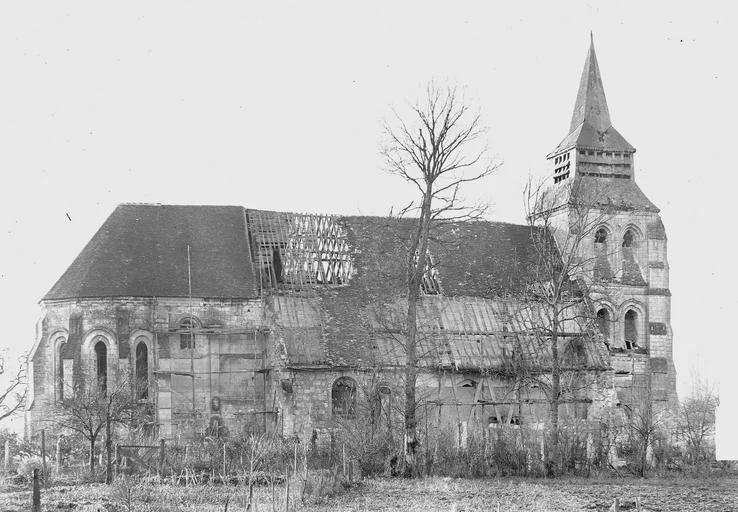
[[280, 107]]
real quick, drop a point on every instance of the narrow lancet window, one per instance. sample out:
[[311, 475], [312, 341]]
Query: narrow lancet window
[[631, 329], [101, 358], [142, 371]]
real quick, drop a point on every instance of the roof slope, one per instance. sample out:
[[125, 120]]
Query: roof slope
[[591, 126], [591, 104], [476, 259], [141, 251]]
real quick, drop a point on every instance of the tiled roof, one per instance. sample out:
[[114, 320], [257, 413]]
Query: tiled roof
[[585, 136], [141, 251], [606, 192], [591, 104], [590, 125]]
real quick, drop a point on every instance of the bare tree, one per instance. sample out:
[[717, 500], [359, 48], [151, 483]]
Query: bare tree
[[696, 422], [95, 408], [557, 315], [14, 392], [645, 423], [435, 147]]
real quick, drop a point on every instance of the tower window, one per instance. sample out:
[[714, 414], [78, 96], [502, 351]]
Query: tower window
[[631, 329], [101, 358], [603, 321], [601, 236], [629, 239]]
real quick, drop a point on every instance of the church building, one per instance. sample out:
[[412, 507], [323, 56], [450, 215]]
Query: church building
[[225, 320]]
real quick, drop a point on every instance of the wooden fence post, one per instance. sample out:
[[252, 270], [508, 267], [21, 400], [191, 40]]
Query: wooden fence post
[[7, 455], [58, 454], [224, 462], [286, 490], [116, 459], [638, 504], [616, 505], [36, 495], [161, 456], [343, 455], [43, 454]]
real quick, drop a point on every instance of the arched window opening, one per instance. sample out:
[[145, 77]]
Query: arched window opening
[[343, 397], [631, 329], [629, 239], [603, 321], [601, 236], [60, 370], [101, 357], [186, 335], [631, 269], [602, 269], [142, 371]]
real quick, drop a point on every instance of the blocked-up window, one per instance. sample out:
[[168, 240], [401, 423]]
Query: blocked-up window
[[343, 398], [631, 267], [187, 335]]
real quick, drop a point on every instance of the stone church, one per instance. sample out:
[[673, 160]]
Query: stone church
[[232, 320]]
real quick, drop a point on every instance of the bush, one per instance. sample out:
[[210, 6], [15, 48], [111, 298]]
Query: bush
[[27, 465]]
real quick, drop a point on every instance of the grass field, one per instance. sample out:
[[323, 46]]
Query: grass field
[[429, 495]]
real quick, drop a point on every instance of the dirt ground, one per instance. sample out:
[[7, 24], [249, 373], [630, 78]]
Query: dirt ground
[[430, 495]]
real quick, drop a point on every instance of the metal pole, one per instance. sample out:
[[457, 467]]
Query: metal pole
[[192, 335], [43, 453]]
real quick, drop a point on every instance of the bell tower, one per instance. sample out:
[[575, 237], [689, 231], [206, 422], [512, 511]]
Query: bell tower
[[628, 279]]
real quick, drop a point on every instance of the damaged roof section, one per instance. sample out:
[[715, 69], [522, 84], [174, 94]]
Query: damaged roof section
[[301, 252], [298, 251], [459, 333], [142, 251]]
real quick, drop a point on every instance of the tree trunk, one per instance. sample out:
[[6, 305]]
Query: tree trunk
[[410, 378], [92, 456], [416, 270], [108, 453], [553, 451]]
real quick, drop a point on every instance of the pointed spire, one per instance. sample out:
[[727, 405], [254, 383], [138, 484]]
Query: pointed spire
[[591, 104]]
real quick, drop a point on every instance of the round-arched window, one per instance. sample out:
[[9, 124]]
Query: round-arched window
[[603, 321], [601, 236], [101, 359], [631, 329], [142, 371]]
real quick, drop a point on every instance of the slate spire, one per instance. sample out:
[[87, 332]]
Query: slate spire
[[591, 105]]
